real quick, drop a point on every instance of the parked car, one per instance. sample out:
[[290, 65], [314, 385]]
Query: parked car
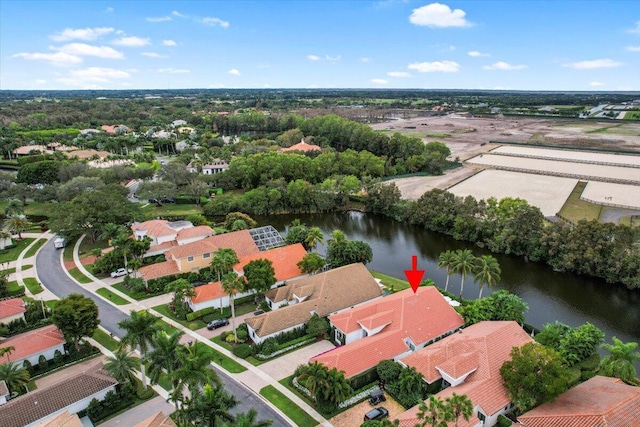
[[255, 313], [217, 323], [154, 201], [168, 200], [376, 414], [119, 272], [376, 397]]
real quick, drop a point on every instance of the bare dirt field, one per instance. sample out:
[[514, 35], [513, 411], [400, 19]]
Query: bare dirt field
[[606, 193], [415, 186], [569, 155]]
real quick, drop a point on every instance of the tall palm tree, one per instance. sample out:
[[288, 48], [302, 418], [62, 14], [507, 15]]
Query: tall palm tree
[[247, 419], [17, 224], [121, 241], [14, 207], [434, 413], [338, 388], [231, 285], [314, 236], [140, 329], [620, 361], [459, 406], [7, 350], [314, 377], [223, 261], [463, 265], [163, 356], [193, 369], [122, 366], [487, 272], [14, 375], [210, 407], [446, 260]]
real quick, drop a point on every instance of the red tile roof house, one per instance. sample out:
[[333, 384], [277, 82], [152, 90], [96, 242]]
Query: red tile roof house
[[11, 309], [469, 363], [301, 146], [597, 402], [389, 328], [283, 259], [72, 395], [30, 345], [322, 294], [63, 419], [196, 255], [164, 234]]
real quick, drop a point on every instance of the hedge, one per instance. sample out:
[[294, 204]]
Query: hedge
[[200, 313], [242, 351]]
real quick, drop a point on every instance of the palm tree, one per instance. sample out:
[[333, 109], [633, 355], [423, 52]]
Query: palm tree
[[223, 261], [14, 207], [209, 407], [17, 224], [140, 329], [410, 380], [487, 272], [463, 265], [314, 236], [247, 419], [620, 361], [7, 350], [434, 414], [459, 406], [121, 241], [193, 369], [231, 285], [163, 356], [14, 375], [314, 377], [338, 388], [122, 366], [446, 260]]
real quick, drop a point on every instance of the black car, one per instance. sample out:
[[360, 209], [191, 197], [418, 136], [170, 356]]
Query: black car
[[258, 312], [376, 414], [168, 200], [376, 397], [154, 201], [217, 323]]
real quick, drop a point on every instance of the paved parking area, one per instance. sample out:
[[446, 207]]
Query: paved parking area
[[353, 417], [284, 366]]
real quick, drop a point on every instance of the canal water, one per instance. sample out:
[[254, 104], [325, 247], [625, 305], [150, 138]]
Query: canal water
[[551, 295]]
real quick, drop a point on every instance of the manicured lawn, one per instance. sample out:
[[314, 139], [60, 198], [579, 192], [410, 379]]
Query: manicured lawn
[[165, 326], [31, 252], [114, 298], [390, 282], [33, 208], [12, 254], [282, 402], [33, 285], [77, 274], [193, 325], [103, 338], [13, 287], [87, 245], [170, 209], [223, 361], [68, 251], [135, 295], [575, 209]]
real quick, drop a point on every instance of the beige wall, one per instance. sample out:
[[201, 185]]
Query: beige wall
[[199, 261], [9, 319]]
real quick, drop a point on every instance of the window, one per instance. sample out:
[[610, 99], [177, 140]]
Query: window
[[190, 259], [207, 255], [482, 417]]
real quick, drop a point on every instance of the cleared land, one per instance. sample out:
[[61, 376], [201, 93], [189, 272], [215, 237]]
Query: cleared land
[[606, 193], [569, 155], [562, 168], [414, 187], [546, 192]]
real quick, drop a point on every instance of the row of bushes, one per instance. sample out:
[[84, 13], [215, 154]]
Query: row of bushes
[[59, 360], [115, 401]]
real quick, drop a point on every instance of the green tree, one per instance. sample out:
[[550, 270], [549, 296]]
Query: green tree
[[434, 413], [14, 376], [163, 359], [140, 328], [317, 326], [459, 406], [7, 350], [182, 290], [156, 190], [337, 388], [463, 264], [446, 260], [534, 375], [17, 224], [619, 363], [314, 236], [248, 419], [313, 376], [486, 272], [580, 343], [122, 366], [223, 260], [231, 285], [311, 263], [259, 275], [508, 306], [210, 407], [14, 207], [76, 316], [193, 369], [232, 217]]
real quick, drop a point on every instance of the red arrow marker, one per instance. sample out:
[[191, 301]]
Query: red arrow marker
[[414, 276]]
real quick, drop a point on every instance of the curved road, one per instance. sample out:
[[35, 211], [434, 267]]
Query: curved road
[[55, 279]]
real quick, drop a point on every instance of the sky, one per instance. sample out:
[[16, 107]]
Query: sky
[[583, 45]]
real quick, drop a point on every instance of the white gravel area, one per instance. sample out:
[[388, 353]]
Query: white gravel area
[[570, 155], [608, 193], [582, 170], [546, 192]]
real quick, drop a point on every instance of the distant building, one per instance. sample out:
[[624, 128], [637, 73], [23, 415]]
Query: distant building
[[215, 167], [302, 147], [12, 309]]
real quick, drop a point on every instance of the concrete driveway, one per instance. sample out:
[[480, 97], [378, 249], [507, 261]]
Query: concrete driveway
[[286, 365]]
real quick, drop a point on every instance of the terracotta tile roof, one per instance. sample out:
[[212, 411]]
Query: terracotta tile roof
[[87, 154], [208, 292], [599, 401], [333, 290], [201, 230], [32, 342], [157, 420], [154, 227], [283, 260], [26, 149], [377, 320], [420, 317], [301, 146], [162, 247], [160, 269], [10, 307], [64, 419], [240, 241], [484, 346], [37, 404]]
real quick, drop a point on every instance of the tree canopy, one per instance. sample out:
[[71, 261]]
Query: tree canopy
[[76, 316]]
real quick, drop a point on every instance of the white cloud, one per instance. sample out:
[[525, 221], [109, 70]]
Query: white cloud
[[379, 81], [234, 71], [313, 57], [169, 43], [132, 41], [596, 63], [153, 55], [109, 9], [365, 59], [398, 74], [159, 18], [41, 82], [596, 84], [437, 66], [81, 34], [213, 22], [452, 47], [83, 49], [476, 54], [501, 65], [99, 74], [58, 58], [176, 13], [333, 58], [636, 30], [633, 48], [437, 15], [173, 71]]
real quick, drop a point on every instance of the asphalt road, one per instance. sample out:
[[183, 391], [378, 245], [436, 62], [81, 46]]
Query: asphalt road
[[54, 278]]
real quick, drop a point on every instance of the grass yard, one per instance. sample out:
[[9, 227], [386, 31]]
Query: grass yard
[[32, 284], [575, 209], [632, 115], [12, 254], [223, 361], [103, 338], [67, 254], [170, 209], [193, 325], [391, 283], [14, 288], [138, 296], [86, 246], [33, 208], [282, 402], [114, 298], [31, 252], [77, 274]]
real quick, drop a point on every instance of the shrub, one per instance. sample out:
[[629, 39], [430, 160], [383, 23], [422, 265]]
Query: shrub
[[94, 410], [242, 351], [200, 313], [57, 357], [388, 370], [269, 346], [230, 338], [28, 366], [242, 334], [43, 363], [224, 335]]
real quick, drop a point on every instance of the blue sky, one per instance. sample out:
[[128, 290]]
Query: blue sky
[[520, 45]]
